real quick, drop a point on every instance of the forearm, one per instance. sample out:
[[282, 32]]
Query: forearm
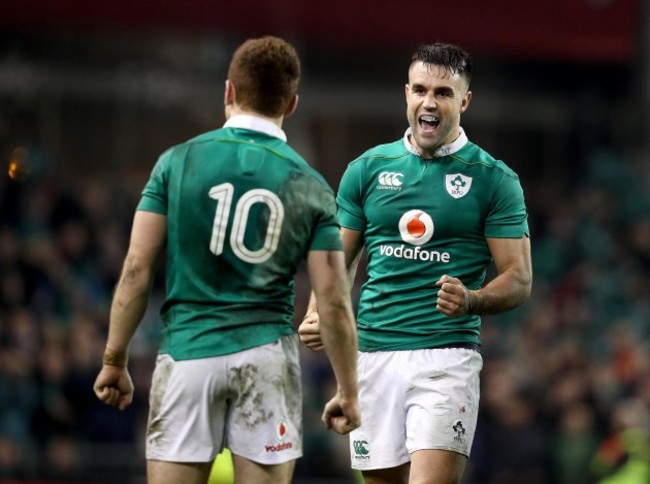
[[128, 306], [339, 335], [351, 272], [506, 291]]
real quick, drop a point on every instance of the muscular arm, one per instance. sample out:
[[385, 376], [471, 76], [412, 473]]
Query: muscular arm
[[113, 384], [309, 329], [352, 247], [339, 336], [132, 292], [512, 284], [509, 288], [338, 329]]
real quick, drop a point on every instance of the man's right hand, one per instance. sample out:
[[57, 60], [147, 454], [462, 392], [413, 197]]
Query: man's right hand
[[342, 414], [309, 331], [114, 387]]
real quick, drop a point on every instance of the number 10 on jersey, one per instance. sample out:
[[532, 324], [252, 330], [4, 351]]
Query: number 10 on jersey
[[224, 194]]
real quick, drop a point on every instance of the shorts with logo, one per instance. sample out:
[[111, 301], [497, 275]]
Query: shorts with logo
[[249, 402], [415, 400]]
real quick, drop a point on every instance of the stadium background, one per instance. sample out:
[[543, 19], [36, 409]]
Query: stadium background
[[91, 93]]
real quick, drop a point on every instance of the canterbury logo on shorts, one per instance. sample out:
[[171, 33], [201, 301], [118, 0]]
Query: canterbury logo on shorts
[[360, 447]]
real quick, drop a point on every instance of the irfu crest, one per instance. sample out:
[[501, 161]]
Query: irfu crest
[[457, 185]]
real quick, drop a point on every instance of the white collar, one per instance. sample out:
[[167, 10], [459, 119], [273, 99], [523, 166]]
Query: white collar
[[444, 150], [255, 123]]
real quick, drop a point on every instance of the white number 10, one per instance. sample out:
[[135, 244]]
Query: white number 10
[[223, 194]]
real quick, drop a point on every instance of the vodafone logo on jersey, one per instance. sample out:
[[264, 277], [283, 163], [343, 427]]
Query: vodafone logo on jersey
[[390, 180], [416, 227]]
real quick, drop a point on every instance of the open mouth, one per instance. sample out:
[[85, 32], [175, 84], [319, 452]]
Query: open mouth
[[428, 122]]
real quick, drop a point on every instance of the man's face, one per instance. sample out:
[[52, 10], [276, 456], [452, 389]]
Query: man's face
[[435, 99]]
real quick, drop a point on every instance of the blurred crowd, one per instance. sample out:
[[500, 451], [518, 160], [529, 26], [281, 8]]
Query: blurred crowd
[[566, 379]]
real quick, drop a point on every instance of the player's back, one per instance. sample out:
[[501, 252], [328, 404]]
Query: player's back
[[243, 209]]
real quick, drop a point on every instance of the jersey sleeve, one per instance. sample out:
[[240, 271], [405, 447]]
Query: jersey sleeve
[[349, 198], [327, 233], [507, 217], [154, 195]]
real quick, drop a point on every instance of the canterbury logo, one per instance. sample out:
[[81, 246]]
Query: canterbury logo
[[390, 180], [360, 447]]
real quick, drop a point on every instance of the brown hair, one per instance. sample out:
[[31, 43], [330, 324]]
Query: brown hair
[[265, 73], [449, 56]]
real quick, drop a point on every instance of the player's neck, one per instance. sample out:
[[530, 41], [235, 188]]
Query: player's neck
[[236, 111]]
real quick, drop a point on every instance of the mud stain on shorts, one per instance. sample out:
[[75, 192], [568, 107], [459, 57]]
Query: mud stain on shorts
[[250, 400], [290, 381], [161, 376]]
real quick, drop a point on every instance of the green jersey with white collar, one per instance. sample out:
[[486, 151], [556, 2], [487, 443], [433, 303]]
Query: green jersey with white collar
[[421, 219], [243, 209]]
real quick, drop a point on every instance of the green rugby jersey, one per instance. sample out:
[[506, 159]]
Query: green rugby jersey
[[243, 209], [422, 219]]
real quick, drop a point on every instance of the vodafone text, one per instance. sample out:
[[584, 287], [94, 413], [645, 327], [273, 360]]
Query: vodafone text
[[278, 447], [414, 253]]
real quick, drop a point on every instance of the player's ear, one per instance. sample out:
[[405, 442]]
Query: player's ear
[[229, 93], [291, 107], [464, 104]]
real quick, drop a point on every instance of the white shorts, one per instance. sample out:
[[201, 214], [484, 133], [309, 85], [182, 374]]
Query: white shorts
[[250, 402], [415, 400]]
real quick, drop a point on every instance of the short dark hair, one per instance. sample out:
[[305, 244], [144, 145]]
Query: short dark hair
[[266, 73], [449, 56]]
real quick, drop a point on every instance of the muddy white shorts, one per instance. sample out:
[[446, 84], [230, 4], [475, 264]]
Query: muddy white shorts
[[250, 402], [415, 400]]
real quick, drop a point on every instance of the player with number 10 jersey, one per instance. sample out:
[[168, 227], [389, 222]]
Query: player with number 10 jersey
[[239, 202]]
